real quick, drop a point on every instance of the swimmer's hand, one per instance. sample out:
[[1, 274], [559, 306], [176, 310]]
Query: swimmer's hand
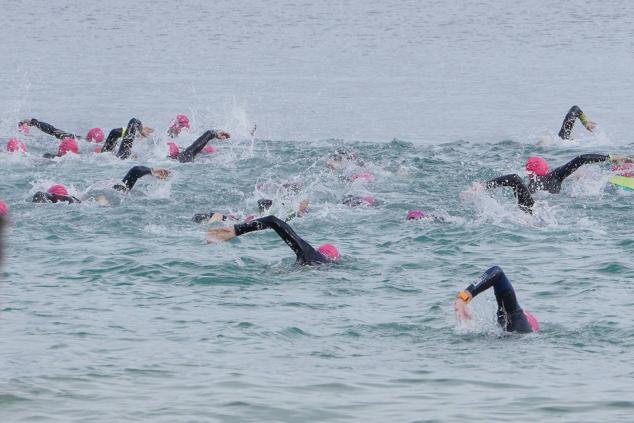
[[216, 217], [220, 234], [590, 125], [303, 207], [619, 158], [159, 172], [462, 310], [25, 122], [146, 131], [223, 135]]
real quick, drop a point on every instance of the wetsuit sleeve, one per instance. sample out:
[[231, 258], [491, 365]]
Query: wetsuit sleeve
[[569, 121], [304, 251], [562, 172], [524, 199], [111, 141], [68, 198], [197, 146], [133, 175], [133, 128], [51, 130]]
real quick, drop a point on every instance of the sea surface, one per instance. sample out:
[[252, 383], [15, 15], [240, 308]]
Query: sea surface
[[123, 312]]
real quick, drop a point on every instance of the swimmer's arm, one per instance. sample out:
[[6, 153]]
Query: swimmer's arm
[[562, 172], [45, 127], [524, 199], [464, 297], [137, 172], [111, 141], [67, 198]]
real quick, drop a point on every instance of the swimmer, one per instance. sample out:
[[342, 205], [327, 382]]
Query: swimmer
[[46, 128], [540, 179], [342, 156], [264, 204], [422, 215], [197, 146], [356, 201], [510, 315], [306, 254], [67, 145], [569, 121], [135, 128], [58, 192], [180, 121], [55, 194], [14, 145]]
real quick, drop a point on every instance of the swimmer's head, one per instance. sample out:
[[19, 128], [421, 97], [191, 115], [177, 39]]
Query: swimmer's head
[[95, 134], [182, 121], [416, 214], [364, 176], [23, 127], [532, 320], [264, 204], [4, 209], [58, 189], [329, 251], [15, 145], [173, 150], [537, 165], [68, 144]]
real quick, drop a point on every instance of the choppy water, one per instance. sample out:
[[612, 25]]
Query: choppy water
[[123, 313]]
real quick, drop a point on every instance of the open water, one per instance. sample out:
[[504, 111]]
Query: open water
[[124, 313]]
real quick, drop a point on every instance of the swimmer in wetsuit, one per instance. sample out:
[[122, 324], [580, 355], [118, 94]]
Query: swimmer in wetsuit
[[135, 128], [180, 121], [569, 121], [58, 192], [510, 315], [197, 146], [306, 254], [540, 179]]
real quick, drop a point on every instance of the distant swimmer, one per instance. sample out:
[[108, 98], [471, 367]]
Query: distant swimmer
[[425, 216], [264, 205], [510, 315], [359, 200], [569, 121], [14, 145], [59, 193], [190, 153], [178, 124], [306, 254], [341, 157], [541, 179]]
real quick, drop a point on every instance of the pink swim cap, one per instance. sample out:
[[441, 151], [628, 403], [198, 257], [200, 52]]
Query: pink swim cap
[[415, 214], [68, 144], [329, 251], [14, 145], [209, 149], [174, 150], [537, 165], [182, 121], [532, 320], [366, 176], [23, 127], [95, 134], [58, 189], [4, 209]]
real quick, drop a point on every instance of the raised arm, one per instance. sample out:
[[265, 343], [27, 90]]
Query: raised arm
[[562, 172], [48, 128], [569, 121], [524, 199], [111, 141], [138, 172]]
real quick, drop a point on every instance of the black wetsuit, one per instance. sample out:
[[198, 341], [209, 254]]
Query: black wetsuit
[[305, 253], [125, 149], [131, 177], [569, 121], [197, 146], [510, 315], [550, 182], [111, 142], [47, 197], [51, 130]]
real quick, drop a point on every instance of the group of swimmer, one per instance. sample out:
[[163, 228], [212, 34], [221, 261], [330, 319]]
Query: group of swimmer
[[511, 317]]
